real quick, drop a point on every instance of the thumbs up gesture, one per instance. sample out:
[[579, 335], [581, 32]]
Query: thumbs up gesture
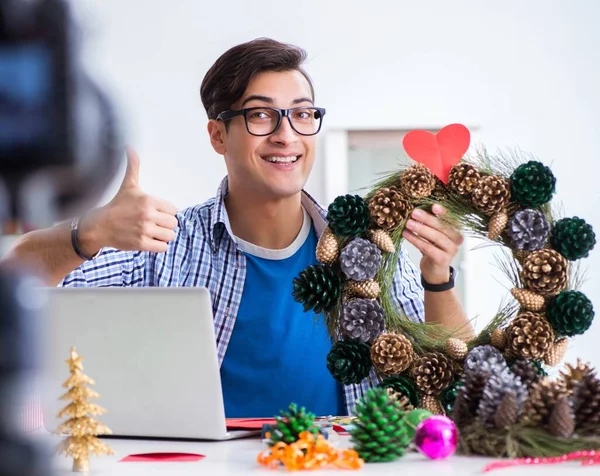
[[133, 220]]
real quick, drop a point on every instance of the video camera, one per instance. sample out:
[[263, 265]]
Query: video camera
[[59, 150]]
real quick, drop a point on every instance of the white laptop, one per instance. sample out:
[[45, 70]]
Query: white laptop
[[152, 354]]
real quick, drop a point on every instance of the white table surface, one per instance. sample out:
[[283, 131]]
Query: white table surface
[[239, 457]]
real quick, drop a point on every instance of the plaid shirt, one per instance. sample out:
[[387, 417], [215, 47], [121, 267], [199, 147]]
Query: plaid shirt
[[204, 254]]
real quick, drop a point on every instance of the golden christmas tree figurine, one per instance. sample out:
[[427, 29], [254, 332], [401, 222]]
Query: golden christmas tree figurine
[[82, 429]]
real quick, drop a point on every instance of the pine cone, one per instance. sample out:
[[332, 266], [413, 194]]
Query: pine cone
[[508, 411], [528, 230], [545, 272], [461, 414], [532, 184], [362, 319], [417, 181], [542, 398], [388, 208], [290, 424], [402, 400], [586, 400], [562, 421], [432, 404], [498, 385], [463, 179], [391, 353], [529, 300], [574, 374], [433, 372], [348, 215], [556, 352], [366, 289], [527, 371], [497, 225], [382, 240], [498, 338], [529, 335], [456, 348], [404, 386], [484, 358], [379, 432], [573, 238], [349, 362], [318, 287], [473, 384], [491, 195], [327, 248], [360, 260], [570, 313]]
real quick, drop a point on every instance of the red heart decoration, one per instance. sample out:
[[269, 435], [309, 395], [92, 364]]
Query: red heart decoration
[[438, 152]]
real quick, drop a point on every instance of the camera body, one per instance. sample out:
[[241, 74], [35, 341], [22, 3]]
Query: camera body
[[59, 139]]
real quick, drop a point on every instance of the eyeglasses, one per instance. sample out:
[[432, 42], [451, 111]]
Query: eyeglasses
[[264, 121]]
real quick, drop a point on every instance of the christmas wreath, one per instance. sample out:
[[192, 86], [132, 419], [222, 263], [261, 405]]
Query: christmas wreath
[[495, 386]]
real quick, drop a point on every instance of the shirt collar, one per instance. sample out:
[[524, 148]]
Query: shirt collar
[[219, 217]]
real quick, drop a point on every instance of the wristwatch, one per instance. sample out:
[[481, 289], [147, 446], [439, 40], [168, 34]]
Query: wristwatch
[[75, 241], [436, 288]]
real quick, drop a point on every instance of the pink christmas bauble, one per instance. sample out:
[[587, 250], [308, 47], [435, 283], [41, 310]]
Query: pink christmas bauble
[[436, 437]]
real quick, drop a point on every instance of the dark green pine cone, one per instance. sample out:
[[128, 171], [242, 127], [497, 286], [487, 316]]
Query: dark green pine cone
[[348, 215], [318, 287], [573, 238], [404, 386], [532, 184], [290, 424], [380, 433], [349, 362], [570, 313]]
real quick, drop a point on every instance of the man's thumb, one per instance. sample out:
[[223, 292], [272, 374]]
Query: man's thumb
[[132, 174]]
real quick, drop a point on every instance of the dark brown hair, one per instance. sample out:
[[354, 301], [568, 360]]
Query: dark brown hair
[[227, 79]]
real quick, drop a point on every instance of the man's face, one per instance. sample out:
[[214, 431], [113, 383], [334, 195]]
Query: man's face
[[277, 165]]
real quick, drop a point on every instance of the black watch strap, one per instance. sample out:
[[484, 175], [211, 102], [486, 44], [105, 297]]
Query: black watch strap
[[75, 240], [437, 288]]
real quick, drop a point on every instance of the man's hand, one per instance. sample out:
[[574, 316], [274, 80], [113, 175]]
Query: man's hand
[[132, 220], [438, 242]]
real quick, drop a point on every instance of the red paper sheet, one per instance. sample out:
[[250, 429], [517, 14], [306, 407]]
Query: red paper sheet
[[248, 423], [162, 458]]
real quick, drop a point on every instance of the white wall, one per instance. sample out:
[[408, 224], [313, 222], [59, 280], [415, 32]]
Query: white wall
[[525, 72]]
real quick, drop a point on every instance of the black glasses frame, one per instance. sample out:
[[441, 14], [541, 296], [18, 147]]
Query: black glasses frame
[[231, 113]]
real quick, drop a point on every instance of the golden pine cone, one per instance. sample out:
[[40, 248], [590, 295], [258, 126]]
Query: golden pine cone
[[433, 372], [364, 289], [561, 422], [402, 399], [556, 352], [328, 249], [432, 404], [382, 240], [529, 300], [389, 208], [491, 194], [573, 374], [520, 255], [417, 181], [498, 338], [541, 400], [463, 179], [391, 354], [497, 224], [507, 412], [457, 349], [545, 272], [529, 335]]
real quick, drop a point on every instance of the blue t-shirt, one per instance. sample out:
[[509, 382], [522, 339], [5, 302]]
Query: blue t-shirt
[[277, 353]]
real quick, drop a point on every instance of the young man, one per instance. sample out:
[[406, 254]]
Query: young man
[[248, 243]]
